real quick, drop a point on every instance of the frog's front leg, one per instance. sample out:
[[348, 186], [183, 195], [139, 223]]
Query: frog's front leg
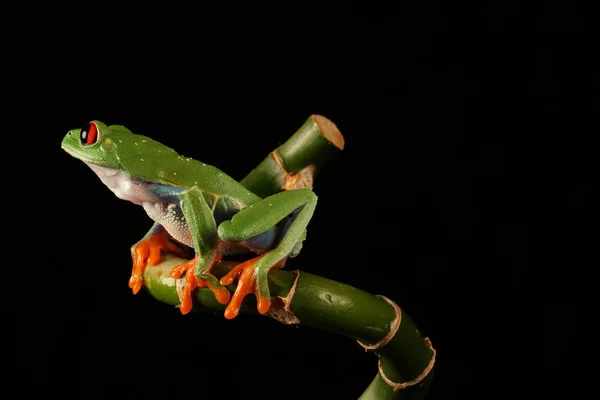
[[255, 220], [202, 226], [147, 252]]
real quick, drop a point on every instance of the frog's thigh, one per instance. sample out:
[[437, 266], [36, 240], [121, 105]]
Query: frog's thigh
[[263, 215]]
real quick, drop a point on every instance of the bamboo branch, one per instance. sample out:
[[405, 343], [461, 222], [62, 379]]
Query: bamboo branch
[[295, 163], [406, 359]]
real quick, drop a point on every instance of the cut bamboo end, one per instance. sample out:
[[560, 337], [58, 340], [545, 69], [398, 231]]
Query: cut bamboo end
[[329, 130], [394, 326]]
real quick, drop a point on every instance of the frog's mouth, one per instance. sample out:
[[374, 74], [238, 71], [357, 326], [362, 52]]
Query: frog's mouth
[[84, 157]]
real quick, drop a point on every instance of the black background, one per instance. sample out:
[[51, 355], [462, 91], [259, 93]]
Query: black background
[[462, 194]]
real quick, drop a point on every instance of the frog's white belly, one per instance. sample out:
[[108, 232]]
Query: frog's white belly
[[129, 188], [169, 215], [124, 186]]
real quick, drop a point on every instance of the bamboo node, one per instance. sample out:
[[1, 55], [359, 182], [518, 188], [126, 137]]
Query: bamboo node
[[394, 326], [280, 307], [290, 296], [302, 179], [403, 385]]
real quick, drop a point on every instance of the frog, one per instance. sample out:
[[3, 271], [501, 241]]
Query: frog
[[199, 213]]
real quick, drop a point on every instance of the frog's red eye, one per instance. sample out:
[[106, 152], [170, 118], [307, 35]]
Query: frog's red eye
[[89, 134]]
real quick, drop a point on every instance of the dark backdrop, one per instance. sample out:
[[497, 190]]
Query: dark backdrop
[[466, 144]]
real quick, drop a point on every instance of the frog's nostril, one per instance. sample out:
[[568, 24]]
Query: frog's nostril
[[69, 133]]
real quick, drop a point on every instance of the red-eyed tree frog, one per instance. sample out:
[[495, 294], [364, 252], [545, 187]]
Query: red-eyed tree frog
[[195, 206]]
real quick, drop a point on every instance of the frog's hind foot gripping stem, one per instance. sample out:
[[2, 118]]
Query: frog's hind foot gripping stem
[[192, 282], [249, 282]]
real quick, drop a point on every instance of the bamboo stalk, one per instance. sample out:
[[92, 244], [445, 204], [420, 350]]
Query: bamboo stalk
[[295, 163], [322, 303], [406, 359]]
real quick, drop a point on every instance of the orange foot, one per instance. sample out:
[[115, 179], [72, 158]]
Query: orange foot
[[147, 252], [244, 272], [192, 282]]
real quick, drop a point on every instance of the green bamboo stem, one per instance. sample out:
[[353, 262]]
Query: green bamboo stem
[[309, 300], [295, 163], [321, 303]]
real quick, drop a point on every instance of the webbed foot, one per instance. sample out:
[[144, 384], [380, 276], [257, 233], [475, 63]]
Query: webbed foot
[[245, 273], [147, 252], [192, 282]]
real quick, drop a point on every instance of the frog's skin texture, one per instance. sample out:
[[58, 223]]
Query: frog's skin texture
[[195, 206]]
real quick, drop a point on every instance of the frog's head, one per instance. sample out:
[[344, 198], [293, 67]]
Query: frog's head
[[96, 143]]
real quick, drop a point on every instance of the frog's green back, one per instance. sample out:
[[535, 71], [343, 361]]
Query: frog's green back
[[152, 161]]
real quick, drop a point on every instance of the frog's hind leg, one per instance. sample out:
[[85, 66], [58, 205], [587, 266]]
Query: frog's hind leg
[[299, 206]]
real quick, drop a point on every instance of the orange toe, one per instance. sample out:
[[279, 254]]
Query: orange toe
[[221, 294], [263, 305], [192, 282], [181, 269], [135, 283], [148, 252], [244, 272]]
